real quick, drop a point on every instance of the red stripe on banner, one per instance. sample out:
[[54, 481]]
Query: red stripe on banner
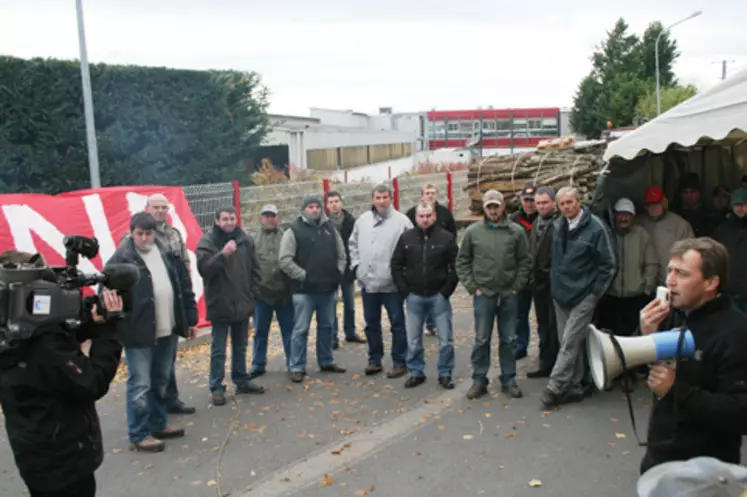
[[37, 223]]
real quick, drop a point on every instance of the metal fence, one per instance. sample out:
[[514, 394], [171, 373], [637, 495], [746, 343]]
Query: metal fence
[[205, 199]]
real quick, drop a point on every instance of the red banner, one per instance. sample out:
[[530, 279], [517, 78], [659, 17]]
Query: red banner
[[37, 223]]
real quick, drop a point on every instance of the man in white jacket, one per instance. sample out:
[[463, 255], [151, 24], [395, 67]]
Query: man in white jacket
[[372, 243]]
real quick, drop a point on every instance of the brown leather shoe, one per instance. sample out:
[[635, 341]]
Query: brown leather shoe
[[169, 432], [397, 372], [150, 444], [372, 369]]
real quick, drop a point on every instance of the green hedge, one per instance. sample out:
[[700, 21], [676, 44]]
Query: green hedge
[[153, 125]]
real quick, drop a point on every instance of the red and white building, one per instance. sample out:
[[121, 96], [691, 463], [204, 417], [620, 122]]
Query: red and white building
[[493, 128]]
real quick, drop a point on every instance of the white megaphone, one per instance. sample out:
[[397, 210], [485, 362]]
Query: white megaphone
[[605, 362]]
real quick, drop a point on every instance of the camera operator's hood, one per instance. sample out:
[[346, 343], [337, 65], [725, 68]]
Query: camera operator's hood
[[33, 270]]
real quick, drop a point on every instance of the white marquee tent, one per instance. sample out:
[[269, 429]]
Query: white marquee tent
[[718, 115]]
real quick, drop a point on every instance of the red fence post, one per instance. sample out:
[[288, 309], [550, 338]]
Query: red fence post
[[450, 190], [325, 187], [395, 189], [237, 200]]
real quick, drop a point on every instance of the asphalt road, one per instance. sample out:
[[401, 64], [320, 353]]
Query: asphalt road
[[353, 435]]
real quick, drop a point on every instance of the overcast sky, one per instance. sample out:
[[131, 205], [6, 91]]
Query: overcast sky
[[354, 54]]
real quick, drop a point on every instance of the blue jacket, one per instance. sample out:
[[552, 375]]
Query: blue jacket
[[583, 260]]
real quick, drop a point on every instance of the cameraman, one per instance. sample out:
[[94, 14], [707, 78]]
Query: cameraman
[[700, 408], [48, 392]]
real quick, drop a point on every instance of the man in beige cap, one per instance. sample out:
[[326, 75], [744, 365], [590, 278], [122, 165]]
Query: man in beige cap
[[494, 264]]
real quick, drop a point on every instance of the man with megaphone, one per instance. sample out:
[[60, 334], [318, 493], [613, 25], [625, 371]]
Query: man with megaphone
[[700, 405]]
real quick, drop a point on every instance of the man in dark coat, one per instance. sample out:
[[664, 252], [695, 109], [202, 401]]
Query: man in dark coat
[[163, 308], [47, 382], [344, 222], [227, 262]]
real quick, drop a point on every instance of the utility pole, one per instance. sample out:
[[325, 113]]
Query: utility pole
[[723, 67], [93, 152]]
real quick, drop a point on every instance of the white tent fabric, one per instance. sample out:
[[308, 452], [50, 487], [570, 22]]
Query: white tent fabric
[[717, 113]]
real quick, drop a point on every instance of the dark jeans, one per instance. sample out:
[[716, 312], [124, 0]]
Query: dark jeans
[[487, 311], [304, 306], [393, 303], [82, 488], [549, 344], [239, 331], [262, 321], [172, 393], [347, 288], [524, 302]]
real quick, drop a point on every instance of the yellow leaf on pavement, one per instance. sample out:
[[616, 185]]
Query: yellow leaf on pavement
[[535, 483]]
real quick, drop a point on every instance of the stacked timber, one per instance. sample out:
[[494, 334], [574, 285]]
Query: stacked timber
[[553, 168]]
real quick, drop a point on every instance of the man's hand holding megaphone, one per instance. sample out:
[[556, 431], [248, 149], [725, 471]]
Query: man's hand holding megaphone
[[660, 377]]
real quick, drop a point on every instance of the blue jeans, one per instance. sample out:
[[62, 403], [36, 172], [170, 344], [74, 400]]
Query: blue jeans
[[239, 340], [418, 308], [172, 393], [347, 288], [488, 310], [393, 303], [149, 371], [304, 305], [524, 299], [262, 319]]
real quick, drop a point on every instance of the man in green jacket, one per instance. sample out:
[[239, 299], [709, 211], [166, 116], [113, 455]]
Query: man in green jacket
[[274, 290], [494, 264]]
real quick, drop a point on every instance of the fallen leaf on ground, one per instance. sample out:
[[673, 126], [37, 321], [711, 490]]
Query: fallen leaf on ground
[[364, 491], [195, 483], [467, 437], [212, 483], [487, 414], [116, 451], [627, 452], [337, 452], [442, 427], [535, 483], [417, 453], [510, 435], [326, 481], [501, 467], [619, 435]]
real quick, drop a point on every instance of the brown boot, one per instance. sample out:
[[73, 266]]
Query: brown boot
[[373, 369], [169, 432]]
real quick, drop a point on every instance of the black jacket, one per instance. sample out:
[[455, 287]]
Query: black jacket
[[231, 283], [733, 235], [444, 218], [138, 328], [540, 246], [48, 391], [423, 262], [710, 390], [348, 222]]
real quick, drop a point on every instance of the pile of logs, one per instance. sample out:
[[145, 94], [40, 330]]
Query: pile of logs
[[510, 174]]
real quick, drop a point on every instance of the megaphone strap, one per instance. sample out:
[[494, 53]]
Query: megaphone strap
[[626, 390]]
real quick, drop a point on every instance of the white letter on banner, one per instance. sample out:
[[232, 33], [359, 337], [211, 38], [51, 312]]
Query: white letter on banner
[[22, 220], [137, 203], [100, 225]]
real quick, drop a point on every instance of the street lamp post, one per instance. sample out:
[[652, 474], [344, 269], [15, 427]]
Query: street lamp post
[[93, 152], [656, 50]]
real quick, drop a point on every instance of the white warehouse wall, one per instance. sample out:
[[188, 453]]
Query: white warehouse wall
[[331, 138], [345, 118]]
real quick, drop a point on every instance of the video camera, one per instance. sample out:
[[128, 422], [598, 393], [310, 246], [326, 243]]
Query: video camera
[[33, 295]]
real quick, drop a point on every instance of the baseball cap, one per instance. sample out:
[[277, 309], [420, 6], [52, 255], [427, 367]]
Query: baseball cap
[[269, 209], [721, 190], [528, 191], [697, 477], [653, 195], [625, 205], [492, 197], [739, 196]]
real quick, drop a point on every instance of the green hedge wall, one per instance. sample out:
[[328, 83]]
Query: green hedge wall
[[153, 125]]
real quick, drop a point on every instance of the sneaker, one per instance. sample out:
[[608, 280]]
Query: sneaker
[[219, 398], [355, 339], [512, 390], [169, 433], [333, 368], [430, 332], [477, 390], [414, 381]]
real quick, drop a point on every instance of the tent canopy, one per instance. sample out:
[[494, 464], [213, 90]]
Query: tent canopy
[[718, 114]]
